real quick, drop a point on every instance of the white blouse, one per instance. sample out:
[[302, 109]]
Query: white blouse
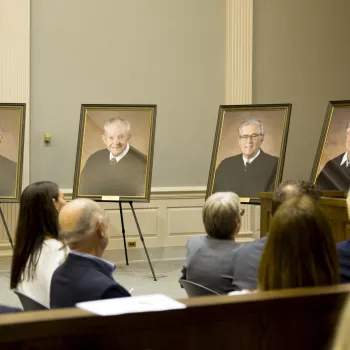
[[52, 255]]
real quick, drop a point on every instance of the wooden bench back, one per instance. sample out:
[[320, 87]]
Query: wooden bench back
[[291, 319]]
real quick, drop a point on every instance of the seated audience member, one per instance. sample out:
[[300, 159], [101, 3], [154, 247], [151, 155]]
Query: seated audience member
[[38, 250], [300, 250], [8, 310], [247, 258], [209, 258], [344, 254], [84, 276]]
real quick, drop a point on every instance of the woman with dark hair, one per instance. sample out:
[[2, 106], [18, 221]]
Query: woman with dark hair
[[38, 250], [300, 250]]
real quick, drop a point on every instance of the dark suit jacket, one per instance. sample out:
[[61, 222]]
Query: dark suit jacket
[[8, 310], [126, 178], [247, 260], [344, 261], [209, 262], [259, 176], [81, 279], [8, 170], [333, 176]]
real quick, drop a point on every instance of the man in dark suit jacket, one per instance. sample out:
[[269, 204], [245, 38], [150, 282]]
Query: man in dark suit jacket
[[8, 170], [344, 254], [84, 276], [253, 170], [335, 175], [344, 261], [8, 310], [118, 170], [247, 258]]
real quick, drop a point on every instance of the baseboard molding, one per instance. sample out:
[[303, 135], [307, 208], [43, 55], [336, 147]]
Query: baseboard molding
[[179, 192]]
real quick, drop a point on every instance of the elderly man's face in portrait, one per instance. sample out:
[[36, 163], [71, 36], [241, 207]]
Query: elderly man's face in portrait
[[116, 138], [250, 140]]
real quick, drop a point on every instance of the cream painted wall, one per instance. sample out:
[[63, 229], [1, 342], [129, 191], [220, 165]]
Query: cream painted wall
[[171, 53], [301, 55]]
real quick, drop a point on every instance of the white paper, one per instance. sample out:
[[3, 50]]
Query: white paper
[[119, 306], [110, 198]]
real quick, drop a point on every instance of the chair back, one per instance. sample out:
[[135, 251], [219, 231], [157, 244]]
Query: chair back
[[196, 290], [28, 303]]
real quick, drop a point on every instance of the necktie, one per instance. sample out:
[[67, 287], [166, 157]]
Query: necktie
[[113, 161], [247, 164]]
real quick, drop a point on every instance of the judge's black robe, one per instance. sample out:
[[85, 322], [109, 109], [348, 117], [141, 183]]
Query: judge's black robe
[[8, 170], [246, 181], [125, 178], [334, 176]]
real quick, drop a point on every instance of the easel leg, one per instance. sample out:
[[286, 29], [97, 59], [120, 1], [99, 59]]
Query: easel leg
[[142, 240], [6, 228], [123, 232]]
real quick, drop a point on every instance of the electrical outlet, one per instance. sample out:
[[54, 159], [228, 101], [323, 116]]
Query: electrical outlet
[[132, 244]]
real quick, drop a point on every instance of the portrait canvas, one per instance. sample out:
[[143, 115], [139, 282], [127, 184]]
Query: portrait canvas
[[12, 122], [249, 148], [115, 152], [331, 170]]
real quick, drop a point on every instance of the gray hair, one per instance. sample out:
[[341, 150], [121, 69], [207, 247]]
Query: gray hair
[[221, 215], [249, 122], [120, 120], [84, 227]]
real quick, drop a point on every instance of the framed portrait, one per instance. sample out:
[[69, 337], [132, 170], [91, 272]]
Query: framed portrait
[[249, 149], [12, 123], [331, 169], [115, 152]]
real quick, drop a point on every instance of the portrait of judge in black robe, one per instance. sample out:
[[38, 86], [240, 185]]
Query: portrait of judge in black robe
[[117, 170], [335, 175], [8, 169], [253, 170]]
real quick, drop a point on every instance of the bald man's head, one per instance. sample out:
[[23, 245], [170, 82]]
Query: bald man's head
[[292, 188], [79, 220]]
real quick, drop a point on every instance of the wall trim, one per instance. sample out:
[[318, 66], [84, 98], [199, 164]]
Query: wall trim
[[177, 192], [239, 51]]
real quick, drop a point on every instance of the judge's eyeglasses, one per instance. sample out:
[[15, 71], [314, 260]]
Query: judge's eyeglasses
[[254, 137]]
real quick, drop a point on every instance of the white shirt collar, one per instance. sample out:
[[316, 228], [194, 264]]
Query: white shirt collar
[[121, 155], [249, 160], [345, 160]]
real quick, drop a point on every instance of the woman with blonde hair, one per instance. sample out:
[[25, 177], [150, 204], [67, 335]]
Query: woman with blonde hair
[[300, 250], [209, 260]]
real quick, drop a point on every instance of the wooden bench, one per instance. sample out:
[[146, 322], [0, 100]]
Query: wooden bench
[[290, 319]]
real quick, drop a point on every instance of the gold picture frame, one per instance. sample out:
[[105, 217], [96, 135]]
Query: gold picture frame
[[330, 171], [228, 169], [12, 127], [128, 178]]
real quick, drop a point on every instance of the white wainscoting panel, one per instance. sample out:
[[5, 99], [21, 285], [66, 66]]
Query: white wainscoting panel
[[169, 220]]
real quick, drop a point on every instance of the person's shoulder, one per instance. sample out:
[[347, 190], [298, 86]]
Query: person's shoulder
[[344, 245], [53, 244], [135, 153], [258, 244], [267, 156], [7, 309], [5, 162], [336, 159], [231, 160], [102, 153], [196, 241]]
